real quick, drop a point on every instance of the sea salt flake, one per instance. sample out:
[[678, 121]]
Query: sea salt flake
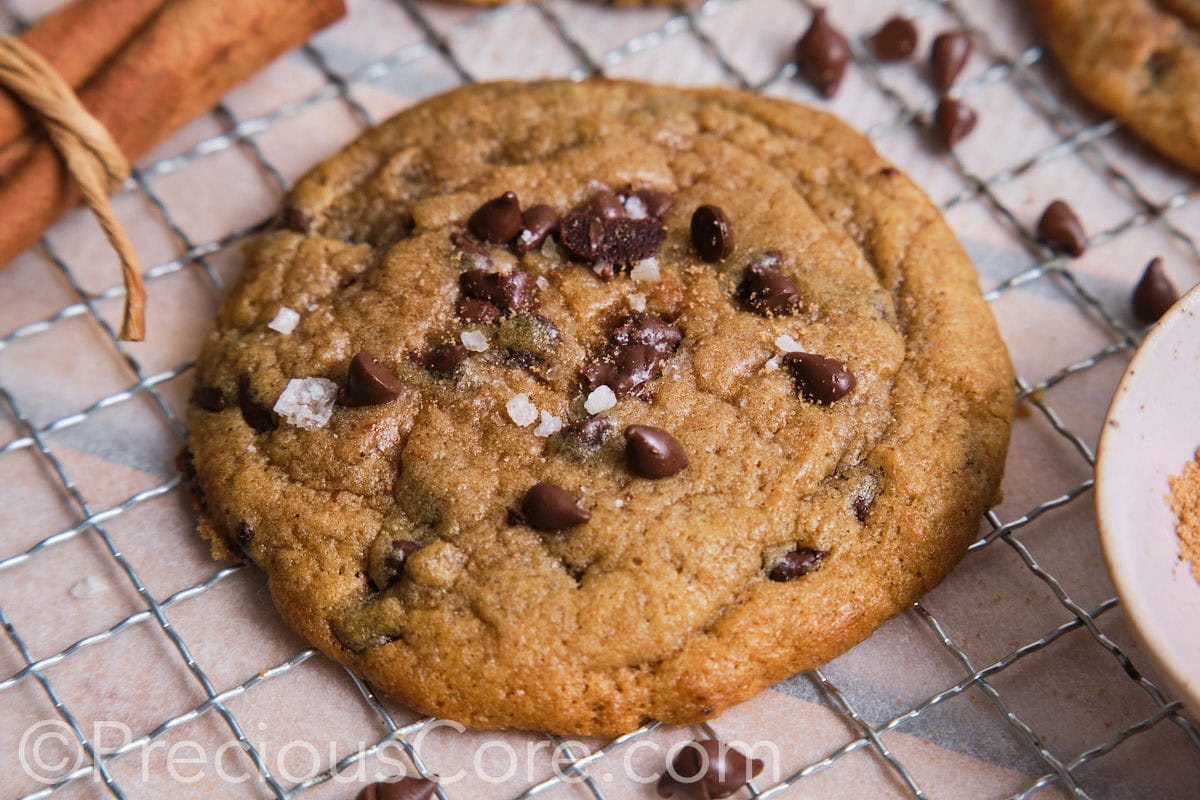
[[525, 237], [475, 341], [635, 208], [646, 270], [285, 320], [773, 363], [637, 302], [542, 283], [307, 402], [521, 410], [549, 425], [602, 398], [787, 344]]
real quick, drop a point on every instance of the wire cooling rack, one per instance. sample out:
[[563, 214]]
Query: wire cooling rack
[[445, 51]]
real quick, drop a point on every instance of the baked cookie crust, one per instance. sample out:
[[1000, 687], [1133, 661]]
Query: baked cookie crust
[[668, 602]]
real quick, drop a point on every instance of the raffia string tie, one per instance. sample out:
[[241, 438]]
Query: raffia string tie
[[91, 156]]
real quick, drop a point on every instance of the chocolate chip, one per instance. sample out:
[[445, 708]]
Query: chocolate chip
[[209, 398], [767, 291], [295, 220], [800, 561], [712, 235], [482, 312], [537, 223], [498, 220], [583, 236], [547, 507], [948, 56], [260, 418], [628, 241], [656, 202], [445, 359], [584, 438], [653, 453], [1060, 230], [627, 372], [606, 205], [896, 40], [954, 119], [650, 330], [820, 380], [707, 769], [403, 789], [511, 291], [368, 383], [1154, 293], [530, 335], [398, 551], [822, 54]]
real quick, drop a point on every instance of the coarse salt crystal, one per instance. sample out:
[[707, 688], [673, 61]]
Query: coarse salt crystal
[[773, 363], [307, 402], [525, 236], [521, 410], [602, 398], [285, 320], [787, 344], [542, 283], [549, 425], [646, 270], [475, 341], [635, 208], [637, 302]]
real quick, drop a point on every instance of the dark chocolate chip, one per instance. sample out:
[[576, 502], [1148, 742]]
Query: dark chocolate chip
[[547, 507], [404, 789], [705, 769], [1154, 293], [260, 418], [767, 291], [896, 40], [498, 220], [606, 205], [209, 398], [800, 561], [822, 55], [583, 236], [482, 312], [393, 563], [295, 220], [656, 202], [712, 235], [954, 119], [368, 383], [1060, 230], [820, 380], [511, 291], [537, 223], [653, 453], [627, 371], [445, 359], [628, 241], [650, 330], [948, 56]]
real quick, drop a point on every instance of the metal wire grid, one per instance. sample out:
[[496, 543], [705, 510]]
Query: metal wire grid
[[685, 22]]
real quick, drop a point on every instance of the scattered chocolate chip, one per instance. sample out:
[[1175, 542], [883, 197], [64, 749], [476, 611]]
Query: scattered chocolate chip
[[712, 235], [403, 789], [537, 223], [800, 561], [606, 205], [948, 56], [640, 345], [896, 40], [209, 398], [498, 220], [954, 119], [628, 241], [656, 202], [820, 380], [650, 330], [822, 54], [511, 291], [707, 769], [368, 383], [767, 291], [531, 335], [547, 507], [1154, 293], [445, 359], [482, 312], [1060, 230], [392, 565], [295, 220], [652, 452], [583, 236], [260, 418]]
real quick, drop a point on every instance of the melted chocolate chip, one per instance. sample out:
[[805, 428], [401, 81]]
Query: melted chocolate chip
[[404, 789], [896, 40], [767, 291], [712, 235], [482, 312], [445, 359], [822, 55], [954, 119], [369, 383], [498, 220], [628, 241], [948, 56], [209, 398], [640, 345], [1060, 230], [653, 453], [606, 205], [511, 291], [295, 220], [707, 769], [800, 561], [656, 201], [1154, 293], [393, 563], [537, 223], [820, 380], [583, 236], [547, 507], [650, 330], [260, 418]]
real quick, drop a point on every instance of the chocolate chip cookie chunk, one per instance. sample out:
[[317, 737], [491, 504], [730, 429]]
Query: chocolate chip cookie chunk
[[567, 406], [1136, 59]]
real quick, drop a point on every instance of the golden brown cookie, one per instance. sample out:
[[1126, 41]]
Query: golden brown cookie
[[1136, 59], [701, 403]]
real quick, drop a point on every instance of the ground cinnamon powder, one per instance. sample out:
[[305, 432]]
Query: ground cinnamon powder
[[1185, 502]]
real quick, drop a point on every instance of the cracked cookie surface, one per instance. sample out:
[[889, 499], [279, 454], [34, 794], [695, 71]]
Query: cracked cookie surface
[[763, 439]]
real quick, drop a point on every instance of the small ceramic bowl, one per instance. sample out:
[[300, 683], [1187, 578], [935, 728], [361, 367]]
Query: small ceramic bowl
[[1151, 431]]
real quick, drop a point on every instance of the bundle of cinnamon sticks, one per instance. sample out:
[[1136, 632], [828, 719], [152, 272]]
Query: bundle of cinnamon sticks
[[143, 68]]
